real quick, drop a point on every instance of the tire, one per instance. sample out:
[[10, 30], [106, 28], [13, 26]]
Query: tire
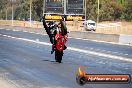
[[81, 80], [94, 30], [58, 56]]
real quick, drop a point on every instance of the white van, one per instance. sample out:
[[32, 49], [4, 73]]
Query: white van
[[90, 25]]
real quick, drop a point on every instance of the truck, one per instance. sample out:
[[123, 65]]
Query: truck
[[90, 25]]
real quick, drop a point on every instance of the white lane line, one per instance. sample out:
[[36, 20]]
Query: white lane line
[[101, 54], [120, 53], [126, 54], [91, 48], [76, 49], [70, 37], [16, 30], [104, 50], [5, 35], [101, 41], [1, 28], [89, 40], [109, 51], [98, 49], [43, 34], [8, 29], [33, 41], [115, 52], [32, 32], [37, 33], [4, 29], [24, 31]]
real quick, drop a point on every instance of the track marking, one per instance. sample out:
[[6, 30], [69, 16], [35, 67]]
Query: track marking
[[38, 33], [5, 35], [104, 50], [32, 32], [70, 37], [126, 54], [76, 49], [8, 29], [120, 53], [24, 31], [98, 49], [115, 52], [109, 51], [80, 39], [91, 48], [16, 30], [102, 41]]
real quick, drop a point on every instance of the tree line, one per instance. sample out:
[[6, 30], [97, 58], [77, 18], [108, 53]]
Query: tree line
[[109, 10]]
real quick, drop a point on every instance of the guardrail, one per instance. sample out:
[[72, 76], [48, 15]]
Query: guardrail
[[95, 36]]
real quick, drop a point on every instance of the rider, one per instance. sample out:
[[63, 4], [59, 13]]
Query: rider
[[55, 30], [60, 33]]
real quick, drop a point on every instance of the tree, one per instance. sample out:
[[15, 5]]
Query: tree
[[128, 10], [91, 9], [3, 8], [37, 9], [110, 10]]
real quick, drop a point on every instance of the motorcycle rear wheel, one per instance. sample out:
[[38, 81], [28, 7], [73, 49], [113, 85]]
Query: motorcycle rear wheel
[[58, 56]]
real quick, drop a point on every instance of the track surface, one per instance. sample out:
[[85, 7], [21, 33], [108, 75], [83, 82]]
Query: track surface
[[28, 65]]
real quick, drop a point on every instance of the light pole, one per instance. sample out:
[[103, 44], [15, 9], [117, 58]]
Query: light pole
[[12, 1], [12, 12], [43, 7], [65, 11], [85, 10], [30, 13], [65, 7], [98, 13], [6, 13]]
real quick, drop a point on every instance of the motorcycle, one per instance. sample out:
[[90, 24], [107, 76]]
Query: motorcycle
[[58, 37]]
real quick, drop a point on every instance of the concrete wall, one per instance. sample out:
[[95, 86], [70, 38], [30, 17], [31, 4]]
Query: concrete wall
[[95, 36], [125, 39]]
